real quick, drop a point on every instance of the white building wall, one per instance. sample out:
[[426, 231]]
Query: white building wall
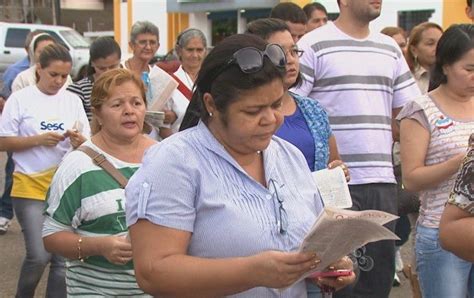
[[83, 4], [124, 30], [390, 8], [155, 12], [241, 23], [200, 21]]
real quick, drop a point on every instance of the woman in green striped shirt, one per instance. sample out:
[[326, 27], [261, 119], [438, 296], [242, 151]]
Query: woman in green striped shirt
[[85, 220]]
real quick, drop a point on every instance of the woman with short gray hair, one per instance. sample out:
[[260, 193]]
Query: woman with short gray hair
[[142, 27], [144, 42], [191, 48]]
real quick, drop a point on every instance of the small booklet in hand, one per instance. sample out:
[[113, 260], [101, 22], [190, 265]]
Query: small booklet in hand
[[333, 187], [155, 119]]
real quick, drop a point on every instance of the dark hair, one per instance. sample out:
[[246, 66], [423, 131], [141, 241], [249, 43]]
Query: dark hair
[[29, 38], [391, 31], [265, 28], [310, 7], [455, 42], [102, 47], [415, 38], [54, 52], [230, 83], [469, 3], [288, 11], [41, 37]]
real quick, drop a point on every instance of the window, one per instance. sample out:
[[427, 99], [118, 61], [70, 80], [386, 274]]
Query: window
[[75, 39], [16, 38], [224, 23], [409, 19], [255, 14]]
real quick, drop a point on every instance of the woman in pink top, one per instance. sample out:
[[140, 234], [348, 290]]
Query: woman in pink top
[[435, 129]]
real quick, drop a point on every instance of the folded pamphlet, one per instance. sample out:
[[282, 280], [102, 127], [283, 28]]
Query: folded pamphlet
[[337, 233], [162, 86]]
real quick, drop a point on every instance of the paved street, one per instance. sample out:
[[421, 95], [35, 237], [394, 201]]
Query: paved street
[[12, 252]]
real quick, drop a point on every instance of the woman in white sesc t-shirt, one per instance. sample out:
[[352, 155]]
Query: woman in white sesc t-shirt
[[40, 124]]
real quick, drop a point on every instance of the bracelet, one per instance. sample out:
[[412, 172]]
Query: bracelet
[[79, 251]]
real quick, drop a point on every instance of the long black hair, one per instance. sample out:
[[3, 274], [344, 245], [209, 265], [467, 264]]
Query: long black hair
[[102, 47], [453, 44], [265, 28]]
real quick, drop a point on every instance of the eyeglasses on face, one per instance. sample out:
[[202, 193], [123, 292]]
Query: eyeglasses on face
[[145, 42], [294, 52], [282, 217]]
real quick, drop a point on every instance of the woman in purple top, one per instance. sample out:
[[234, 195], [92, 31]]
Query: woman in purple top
[[306, 124]]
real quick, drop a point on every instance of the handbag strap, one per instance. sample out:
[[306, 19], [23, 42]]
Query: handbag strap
[[100, 160]]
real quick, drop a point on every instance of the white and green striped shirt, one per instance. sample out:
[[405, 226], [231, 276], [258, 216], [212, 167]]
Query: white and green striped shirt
[[86, 200]]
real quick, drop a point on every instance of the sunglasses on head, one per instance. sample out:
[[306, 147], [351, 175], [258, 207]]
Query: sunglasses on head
[[250, 59]]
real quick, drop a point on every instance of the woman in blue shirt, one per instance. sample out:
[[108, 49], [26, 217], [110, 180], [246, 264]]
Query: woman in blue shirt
[[221, 208], [306, 124]]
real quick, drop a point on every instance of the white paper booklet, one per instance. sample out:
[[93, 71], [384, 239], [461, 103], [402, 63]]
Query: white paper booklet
[[333, 187], [79, 126], [336, 233], [155, 119], [162, 86]]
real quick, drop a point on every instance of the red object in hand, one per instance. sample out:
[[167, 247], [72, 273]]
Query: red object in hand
[[331, 273]]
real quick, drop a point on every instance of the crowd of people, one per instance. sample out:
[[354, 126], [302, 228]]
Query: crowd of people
[[217, 200]]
